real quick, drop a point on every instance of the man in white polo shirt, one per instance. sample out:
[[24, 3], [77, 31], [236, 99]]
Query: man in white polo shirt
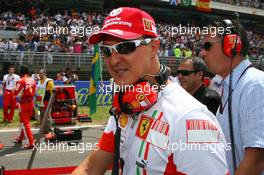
[[9, 99], [154, 132]]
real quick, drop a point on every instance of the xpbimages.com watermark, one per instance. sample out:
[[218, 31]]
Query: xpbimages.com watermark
[[80, 31], [193, 30], [79, 147], [211, 147], [139, 88]]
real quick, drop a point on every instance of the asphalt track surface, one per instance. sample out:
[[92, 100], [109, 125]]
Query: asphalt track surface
[[60, 154]]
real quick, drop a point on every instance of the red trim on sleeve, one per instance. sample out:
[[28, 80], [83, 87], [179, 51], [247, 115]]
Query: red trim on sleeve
[[171, 168], [107, 142]]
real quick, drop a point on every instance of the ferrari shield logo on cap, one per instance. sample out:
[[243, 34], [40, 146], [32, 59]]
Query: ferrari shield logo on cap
[[147, 25]]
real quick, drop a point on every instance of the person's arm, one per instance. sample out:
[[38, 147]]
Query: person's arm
[[252, 135], [96, 163], [66, 80], [4, 83], [253, 162], [50, 86], [19, 88]]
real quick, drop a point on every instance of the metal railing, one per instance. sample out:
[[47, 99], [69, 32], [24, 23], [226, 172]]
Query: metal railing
[[47, 59]]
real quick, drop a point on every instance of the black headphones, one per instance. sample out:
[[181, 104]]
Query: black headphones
[[163, 74]]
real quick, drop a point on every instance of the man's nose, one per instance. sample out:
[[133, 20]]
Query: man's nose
[[115, 58]]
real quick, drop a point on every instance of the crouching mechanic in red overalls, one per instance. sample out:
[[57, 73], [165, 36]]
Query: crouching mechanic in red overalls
[[163, 132], [26, 88]]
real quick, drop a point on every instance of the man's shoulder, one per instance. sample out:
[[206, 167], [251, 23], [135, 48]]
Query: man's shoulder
[[254, 74], [176, 97], [49, 81], [211, 94], [254, 78], [16, 76]]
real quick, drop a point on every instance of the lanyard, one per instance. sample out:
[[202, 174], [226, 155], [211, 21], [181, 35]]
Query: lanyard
[[221, 110]]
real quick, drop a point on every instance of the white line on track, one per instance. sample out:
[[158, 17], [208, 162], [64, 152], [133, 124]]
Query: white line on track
[[68, 127]]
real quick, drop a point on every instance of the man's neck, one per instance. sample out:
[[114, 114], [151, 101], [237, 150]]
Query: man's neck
[[155, 70], [42, 80], [235, 62], [193, 90]]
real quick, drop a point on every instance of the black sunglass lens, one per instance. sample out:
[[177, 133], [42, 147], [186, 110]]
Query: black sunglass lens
[[207, 45], [185, 72], [126, 48], [106, 51]]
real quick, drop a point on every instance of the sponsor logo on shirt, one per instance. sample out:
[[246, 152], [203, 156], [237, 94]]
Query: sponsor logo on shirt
[[142, 164], [153, 131], [123, 120], [201, 131]]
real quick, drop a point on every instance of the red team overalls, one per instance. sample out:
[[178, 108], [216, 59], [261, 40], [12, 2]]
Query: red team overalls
[[26, 88], [9, 98]]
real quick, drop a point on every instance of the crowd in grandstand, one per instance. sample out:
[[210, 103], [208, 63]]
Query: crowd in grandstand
[[33, 37], [247, 3]]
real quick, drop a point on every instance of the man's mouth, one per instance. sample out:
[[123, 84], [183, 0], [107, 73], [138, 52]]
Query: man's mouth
[[120, 72]]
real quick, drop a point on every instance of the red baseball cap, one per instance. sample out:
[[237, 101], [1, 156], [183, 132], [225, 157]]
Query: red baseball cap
[[126, 23]]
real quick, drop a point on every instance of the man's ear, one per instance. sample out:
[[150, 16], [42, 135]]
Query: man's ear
[[155, 45], [200, 74]]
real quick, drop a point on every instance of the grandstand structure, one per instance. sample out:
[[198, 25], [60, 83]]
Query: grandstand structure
[[56, 51]]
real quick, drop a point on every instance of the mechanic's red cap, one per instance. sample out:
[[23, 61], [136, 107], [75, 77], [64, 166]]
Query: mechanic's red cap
[[126, 23]]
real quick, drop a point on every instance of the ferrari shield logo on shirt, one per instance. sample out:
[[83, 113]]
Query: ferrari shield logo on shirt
[[144, 126], [201, 131]]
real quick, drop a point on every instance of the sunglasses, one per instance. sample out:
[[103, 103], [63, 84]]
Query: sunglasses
[[186, 72], [125, 47], [207, 45]]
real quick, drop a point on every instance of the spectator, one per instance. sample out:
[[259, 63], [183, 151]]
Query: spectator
[[191, 75], [60, 75], [70, 77]]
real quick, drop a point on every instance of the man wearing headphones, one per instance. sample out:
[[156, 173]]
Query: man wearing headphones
[[241, 111], [160, 130], [191, 76]]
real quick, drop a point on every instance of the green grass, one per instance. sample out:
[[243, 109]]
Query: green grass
[[100, 117]]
